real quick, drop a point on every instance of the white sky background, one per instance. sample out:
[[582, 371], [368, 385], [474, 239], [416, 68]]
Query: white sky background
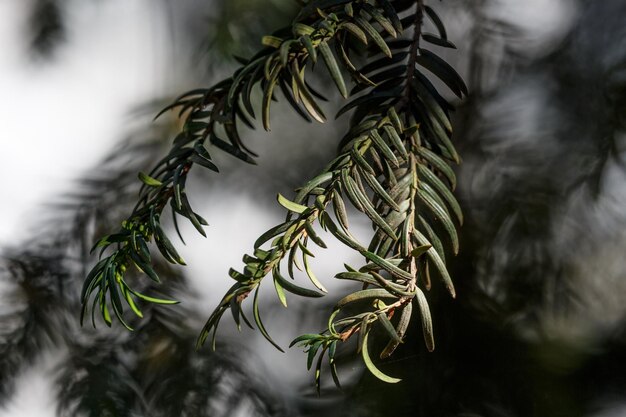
[[59, 119]]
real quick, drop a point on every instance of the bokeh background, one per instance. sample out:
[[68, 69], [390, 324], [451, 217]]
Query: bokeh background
[[538, 328]]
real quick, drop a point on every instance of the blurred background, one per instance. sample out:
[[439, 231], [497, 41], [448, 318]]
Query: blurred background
[[539, 324]]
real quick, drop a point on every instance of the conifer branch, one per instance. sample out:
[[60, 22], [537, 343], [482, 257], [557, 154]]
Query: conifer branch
[[393, 166]]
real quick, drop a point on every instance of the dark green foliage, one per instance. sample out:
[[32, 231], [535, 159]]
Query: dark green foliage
[[393, 166], [30, 321], [100, 383], [47, 26], [229, 29]]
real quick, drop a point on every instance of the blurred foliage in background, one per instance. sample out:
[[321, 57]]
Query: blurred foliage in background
[[539, 327]]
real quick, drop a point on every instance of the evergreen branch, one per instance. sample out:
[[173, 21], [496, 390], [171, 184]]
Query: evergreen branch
[[393, 166]]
